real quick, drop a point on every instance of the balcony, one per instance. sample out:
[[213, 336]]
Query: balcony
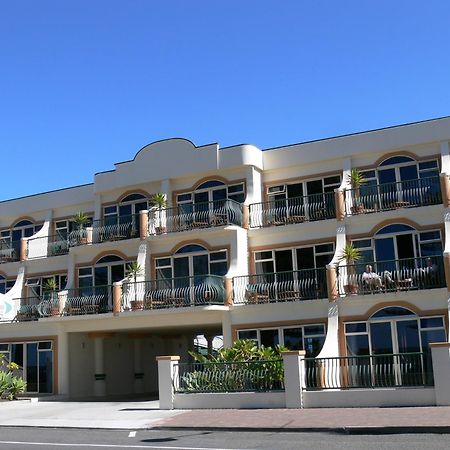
[[410, 274], [86, 300], [199, 290], [287, 211], [298, 285], [115, 229], [192, 216], [389, 196], [9, 251], [46, 246]]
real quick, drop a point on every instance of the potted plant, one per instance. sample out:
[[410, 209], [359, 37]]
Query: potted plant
[[50, 292], [134, 270], [81, 219], [356, 179], [158, 202], [351, 255]]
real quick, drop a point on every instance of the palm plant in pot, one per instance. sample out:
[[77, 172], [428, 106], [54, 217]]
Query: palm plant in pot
[[158, 202], [356, 179], [134, 270], [81, 219], [351, 255], [51, 295]]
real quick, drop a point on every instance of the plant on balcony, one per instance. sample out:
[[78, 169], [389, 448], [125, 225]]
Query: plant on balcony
[[356, 179], [81, 219], [351, 255], [134, 270], [158, 202], [51, 295]]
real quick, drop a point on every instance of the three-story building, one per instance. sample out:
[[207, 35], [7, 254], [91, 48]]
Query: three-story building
[[336, 246]]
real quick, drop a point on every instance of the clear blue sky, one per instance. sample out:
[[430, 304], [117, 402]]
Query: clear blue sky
[[87, 83]]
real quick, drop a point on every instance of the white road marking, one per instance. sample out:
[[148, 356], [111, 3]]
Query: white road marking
[[132, 434], [159, 447]]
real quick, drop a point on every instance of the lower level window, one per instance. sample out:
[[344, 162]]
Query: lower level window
[[35, 360], [306, 337]]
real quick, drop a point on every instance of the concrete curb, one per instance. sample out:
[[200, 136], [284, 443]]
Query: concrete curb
[[338, 430]]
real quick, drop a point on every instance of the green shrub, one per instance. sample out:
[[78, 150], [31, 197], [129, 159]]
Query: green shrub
[[10, 385], [242, 367]]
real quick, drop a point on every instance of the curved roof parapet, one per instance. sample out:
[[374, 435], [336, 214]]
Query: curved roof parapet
[[176, 157]]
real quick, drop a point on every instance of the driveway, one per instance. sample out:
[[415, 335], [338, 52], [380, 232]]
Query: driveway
[[83, 414]]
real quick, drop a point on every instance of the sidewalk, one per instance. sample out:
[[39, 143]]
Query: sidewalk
[[144, 414], [351, 420]]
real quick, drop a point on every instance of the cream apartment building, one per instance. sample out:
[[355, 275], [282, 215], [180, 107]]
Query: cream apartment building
[[249, 243]]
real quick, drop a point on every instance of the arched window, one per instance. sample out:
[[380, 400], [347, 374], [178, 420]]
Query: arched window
[[191, 248], [106, 271], [214, 192], [399, 182], [191, 261], [393, 160], [392, 312], [393, 330], [122, 220], [400, 242]]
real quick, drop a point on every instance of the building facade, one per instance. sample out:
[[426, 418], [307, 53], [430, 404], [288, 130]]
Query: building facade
[[337, 247]]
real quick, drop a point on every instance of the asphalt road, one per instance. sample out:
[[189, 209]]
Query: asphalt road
[[40, 438]]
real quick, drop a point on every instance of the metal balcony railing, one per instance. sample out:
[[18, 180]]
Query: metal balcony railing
[[245, 376], [28, 308], [87, 300], [293, 210], [115, 228], [42, 247], [391, 276], [384, 197], [197, 290], [295, 285], [195, 215], [9, 251], [371, 371]]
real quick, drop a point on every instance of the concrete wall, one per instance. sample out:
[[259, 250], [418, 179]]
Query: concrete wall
[[360, 398], [234, 400]]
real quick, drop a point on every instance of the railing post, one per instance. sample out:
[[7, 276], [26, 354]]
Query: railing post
[[117, 297], [143, 224], [245, 217], [23, 249], [294, 377], [89, 235], [165, 380], [445, 190], [340, 204], [440, 353], [228, 284], [332, 283]]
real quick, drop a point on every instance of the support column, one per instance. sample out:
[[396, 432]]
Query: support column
[[447, 269], [245, 217], [89, 235], [209, 340], [138, 369], [440, 353], [294, 377], [166, 380], [23, 249], [143, 224], [445, 190], [99, 362], [332, 283], [226, 329], [228, 284], [63, 372], [117, 297], [339, 204]]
